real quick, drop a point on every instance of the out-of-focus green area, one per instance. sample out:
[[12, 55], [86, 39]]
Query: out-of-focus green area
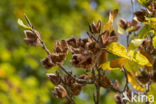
[[22, 78]]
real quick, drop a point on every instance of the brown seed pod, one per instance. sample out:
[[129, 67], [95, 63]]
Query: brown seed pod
[[54, 78], [47, 62], [60, 92], [144, 77], [68, 80], [76, 89], [141, 15], [123, 24], [31, 38], [118, 99], [95, 28], [61, 47], [153, 76]]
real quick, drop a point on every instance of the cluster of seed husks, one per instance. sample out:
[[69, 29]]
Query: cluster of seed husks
[[84, 52], [150, 11], [61, 50], [74, 87]]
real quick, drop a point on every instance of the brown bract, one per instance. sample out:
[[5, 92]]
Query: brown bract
[[59, 91]]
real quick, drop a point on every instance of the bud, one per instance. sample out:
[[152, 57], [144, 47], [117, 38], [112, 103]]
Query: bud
[[60, 92], [54, 78], [32, 38]]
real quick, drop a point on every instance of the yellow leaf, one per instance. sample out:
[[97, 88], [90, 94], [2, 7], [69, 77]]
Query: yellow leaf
[[20, 22], [109, 25], [113, 14], [106, 66], [154, 41], [118, 50], [132, 79], [139, 58], [132, 66], [135, 44], [118, 62]]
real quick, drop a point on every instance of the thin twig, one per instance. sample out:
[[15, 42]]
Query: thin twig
[[75, 78], [38, 35], [126, 85]]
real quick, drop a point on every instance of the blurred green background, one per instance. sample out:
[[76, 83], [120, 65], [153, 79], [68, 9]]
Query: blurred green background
[[22, 78]]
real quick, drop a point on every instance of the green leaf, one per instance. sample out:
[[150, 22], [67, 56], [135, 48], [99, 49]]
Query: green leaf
[[144, 32], [135, 44], [154, 41], [20, 22], [144, 2], [118, 50]]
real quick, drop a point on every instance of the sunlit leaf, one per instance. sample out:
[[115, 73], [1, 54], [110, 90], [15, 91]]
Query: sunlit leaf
[[109, 25], [118, 62], [154, 41], [118, 50], [139, 58], [106, 66], [144, 2], [135, 44], [132, 66], [20, 22], [132, 79]]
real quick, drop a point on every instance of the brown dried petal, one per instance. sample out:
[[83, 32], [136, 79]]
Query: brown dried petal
[[60, 92]]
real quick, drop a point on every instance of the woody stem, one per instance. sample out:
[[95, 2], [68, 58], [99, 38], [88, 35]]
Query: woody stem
[[75, 78], [41, 41]]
